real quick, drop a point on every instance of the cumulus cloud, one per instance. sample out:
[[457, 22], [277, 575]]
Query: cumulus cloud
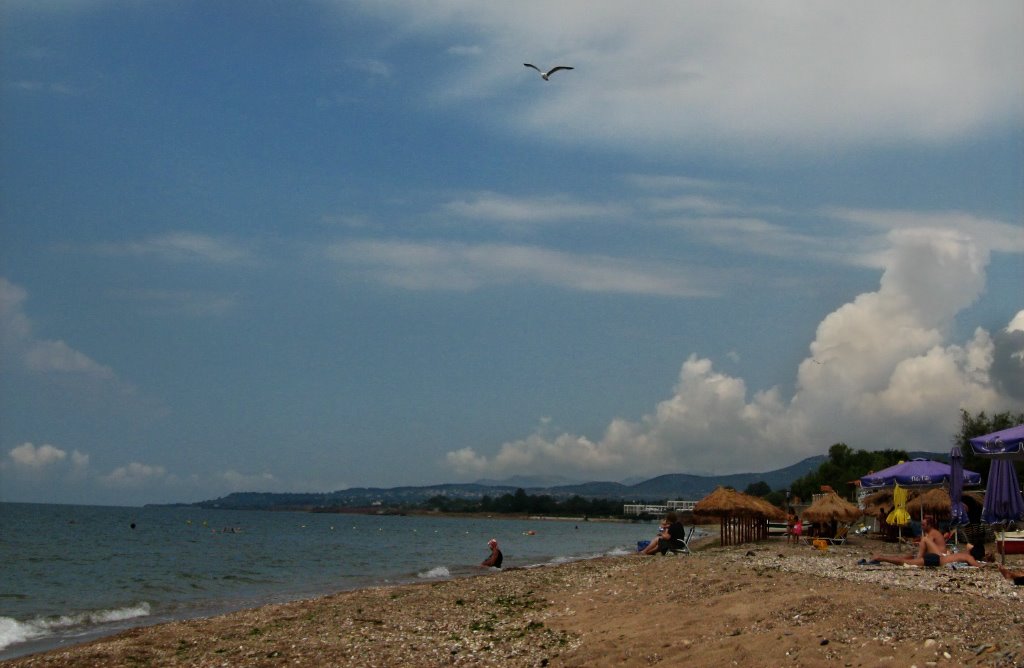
[[134, 475], [45, 460], [30, 456], [880, 366], [739, 73], [1008, 358]]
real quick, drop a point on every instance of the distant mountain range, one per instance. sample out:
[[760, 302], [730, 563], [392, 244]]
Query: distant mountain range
[[658, 489]]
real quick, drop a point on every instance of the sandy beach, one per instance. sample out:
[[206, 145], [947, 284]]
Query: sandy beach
[[764, 604]]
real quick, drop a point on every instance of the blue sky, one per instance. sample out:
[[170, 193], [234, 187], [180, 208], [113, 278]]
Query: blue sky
[[312, 245]]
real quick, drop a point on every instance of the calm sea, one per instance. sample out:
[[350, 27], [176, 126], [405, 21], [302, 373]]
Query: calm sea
[[73, 573]]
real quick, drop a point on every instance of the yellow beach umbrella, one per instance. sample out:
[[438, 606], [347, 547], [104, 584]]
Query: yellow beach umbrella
[[899, 515]]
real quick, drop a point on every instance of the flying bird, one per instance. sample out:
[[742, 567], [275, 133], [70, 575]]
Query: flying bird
[[544, 75]]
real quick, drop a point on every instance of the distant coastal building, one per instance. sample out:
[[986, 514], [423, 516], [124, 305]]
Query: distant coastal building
[[654, 509]]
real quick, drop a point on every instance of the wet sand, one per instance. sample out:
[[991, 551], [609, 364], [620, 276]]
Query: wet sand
[[767, 604]]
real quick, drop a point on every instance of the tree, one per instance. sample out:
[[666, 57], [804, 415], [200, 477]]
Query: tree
[[843, 466], [760, 488]]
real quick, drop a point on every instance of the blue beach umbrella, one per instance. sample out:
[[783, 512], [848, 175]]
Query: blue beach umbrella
[[957, 509]]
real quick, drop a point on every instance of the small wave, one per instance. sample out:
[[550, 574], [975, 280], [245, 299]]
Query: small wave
[[619, 552], [434, 573], [13, 631]]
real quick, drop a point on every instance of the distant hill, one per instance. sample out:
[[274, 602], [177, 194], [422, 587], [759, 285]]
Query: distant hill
[[531, 481], [660, 488]]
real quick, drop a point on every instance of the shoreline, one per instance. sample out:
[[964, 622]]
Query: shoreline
[[753, 605]]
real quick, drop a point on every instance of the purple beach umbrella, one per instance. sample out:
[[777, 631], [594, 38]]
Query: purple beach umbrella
[[1004, 504], [916, 473], [1006, 443], [957, 509], [1003, 501]]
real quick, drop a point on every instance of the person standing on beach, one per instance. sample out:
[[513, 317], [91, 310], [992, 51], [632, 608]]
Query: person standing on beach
[[493, 561], [797, 530]]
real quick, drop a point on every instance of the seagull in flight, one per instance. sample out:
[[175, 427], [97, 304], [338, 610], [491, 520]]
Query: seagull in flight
[[544, 75]]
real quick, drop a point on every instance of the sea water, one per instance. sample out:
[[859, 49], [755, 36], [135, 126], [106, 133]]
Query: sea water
[[73, 573]]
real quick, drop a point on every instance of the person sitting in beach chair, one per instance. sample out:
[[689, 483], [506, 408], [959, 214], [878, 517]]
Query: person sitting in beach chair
[[671, 537]]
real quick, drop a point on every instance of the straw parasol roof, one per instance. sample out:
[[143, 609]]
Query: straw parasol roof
[[770, 511], [933, 501], [831, 507], [725, 502], [721, 502], [881, 497]]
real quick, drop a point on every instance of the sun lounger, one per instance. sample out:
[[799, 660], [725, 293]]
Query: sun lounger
[[840, 537]]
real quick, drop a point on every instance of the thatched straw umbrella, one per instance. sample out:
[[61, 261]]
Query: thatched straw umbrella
[[771, 512], [829, 508], [935, 501], [875, 502], [743, 518]]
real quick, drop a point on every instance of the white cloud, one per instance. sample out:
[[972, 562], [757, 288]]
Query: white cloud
[[490, 206], [183, 247], [134, 475], [455, 266], [30, 456], [880, 367], [79, 463], [59, 357], [260, 482], [738, 73], [43, 357], [988, 235], [1008, 358]]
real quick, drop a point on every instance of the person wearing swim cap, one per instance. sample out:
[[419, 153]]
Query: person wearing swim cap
[[493, 561]]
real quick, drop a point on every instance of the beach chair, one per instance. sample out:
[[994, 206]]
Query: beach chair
[[684, 547], [840, 537]]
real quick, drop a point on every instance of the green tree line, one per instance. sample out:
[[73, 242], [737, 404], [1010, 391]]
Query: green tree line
[[532, 504]]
